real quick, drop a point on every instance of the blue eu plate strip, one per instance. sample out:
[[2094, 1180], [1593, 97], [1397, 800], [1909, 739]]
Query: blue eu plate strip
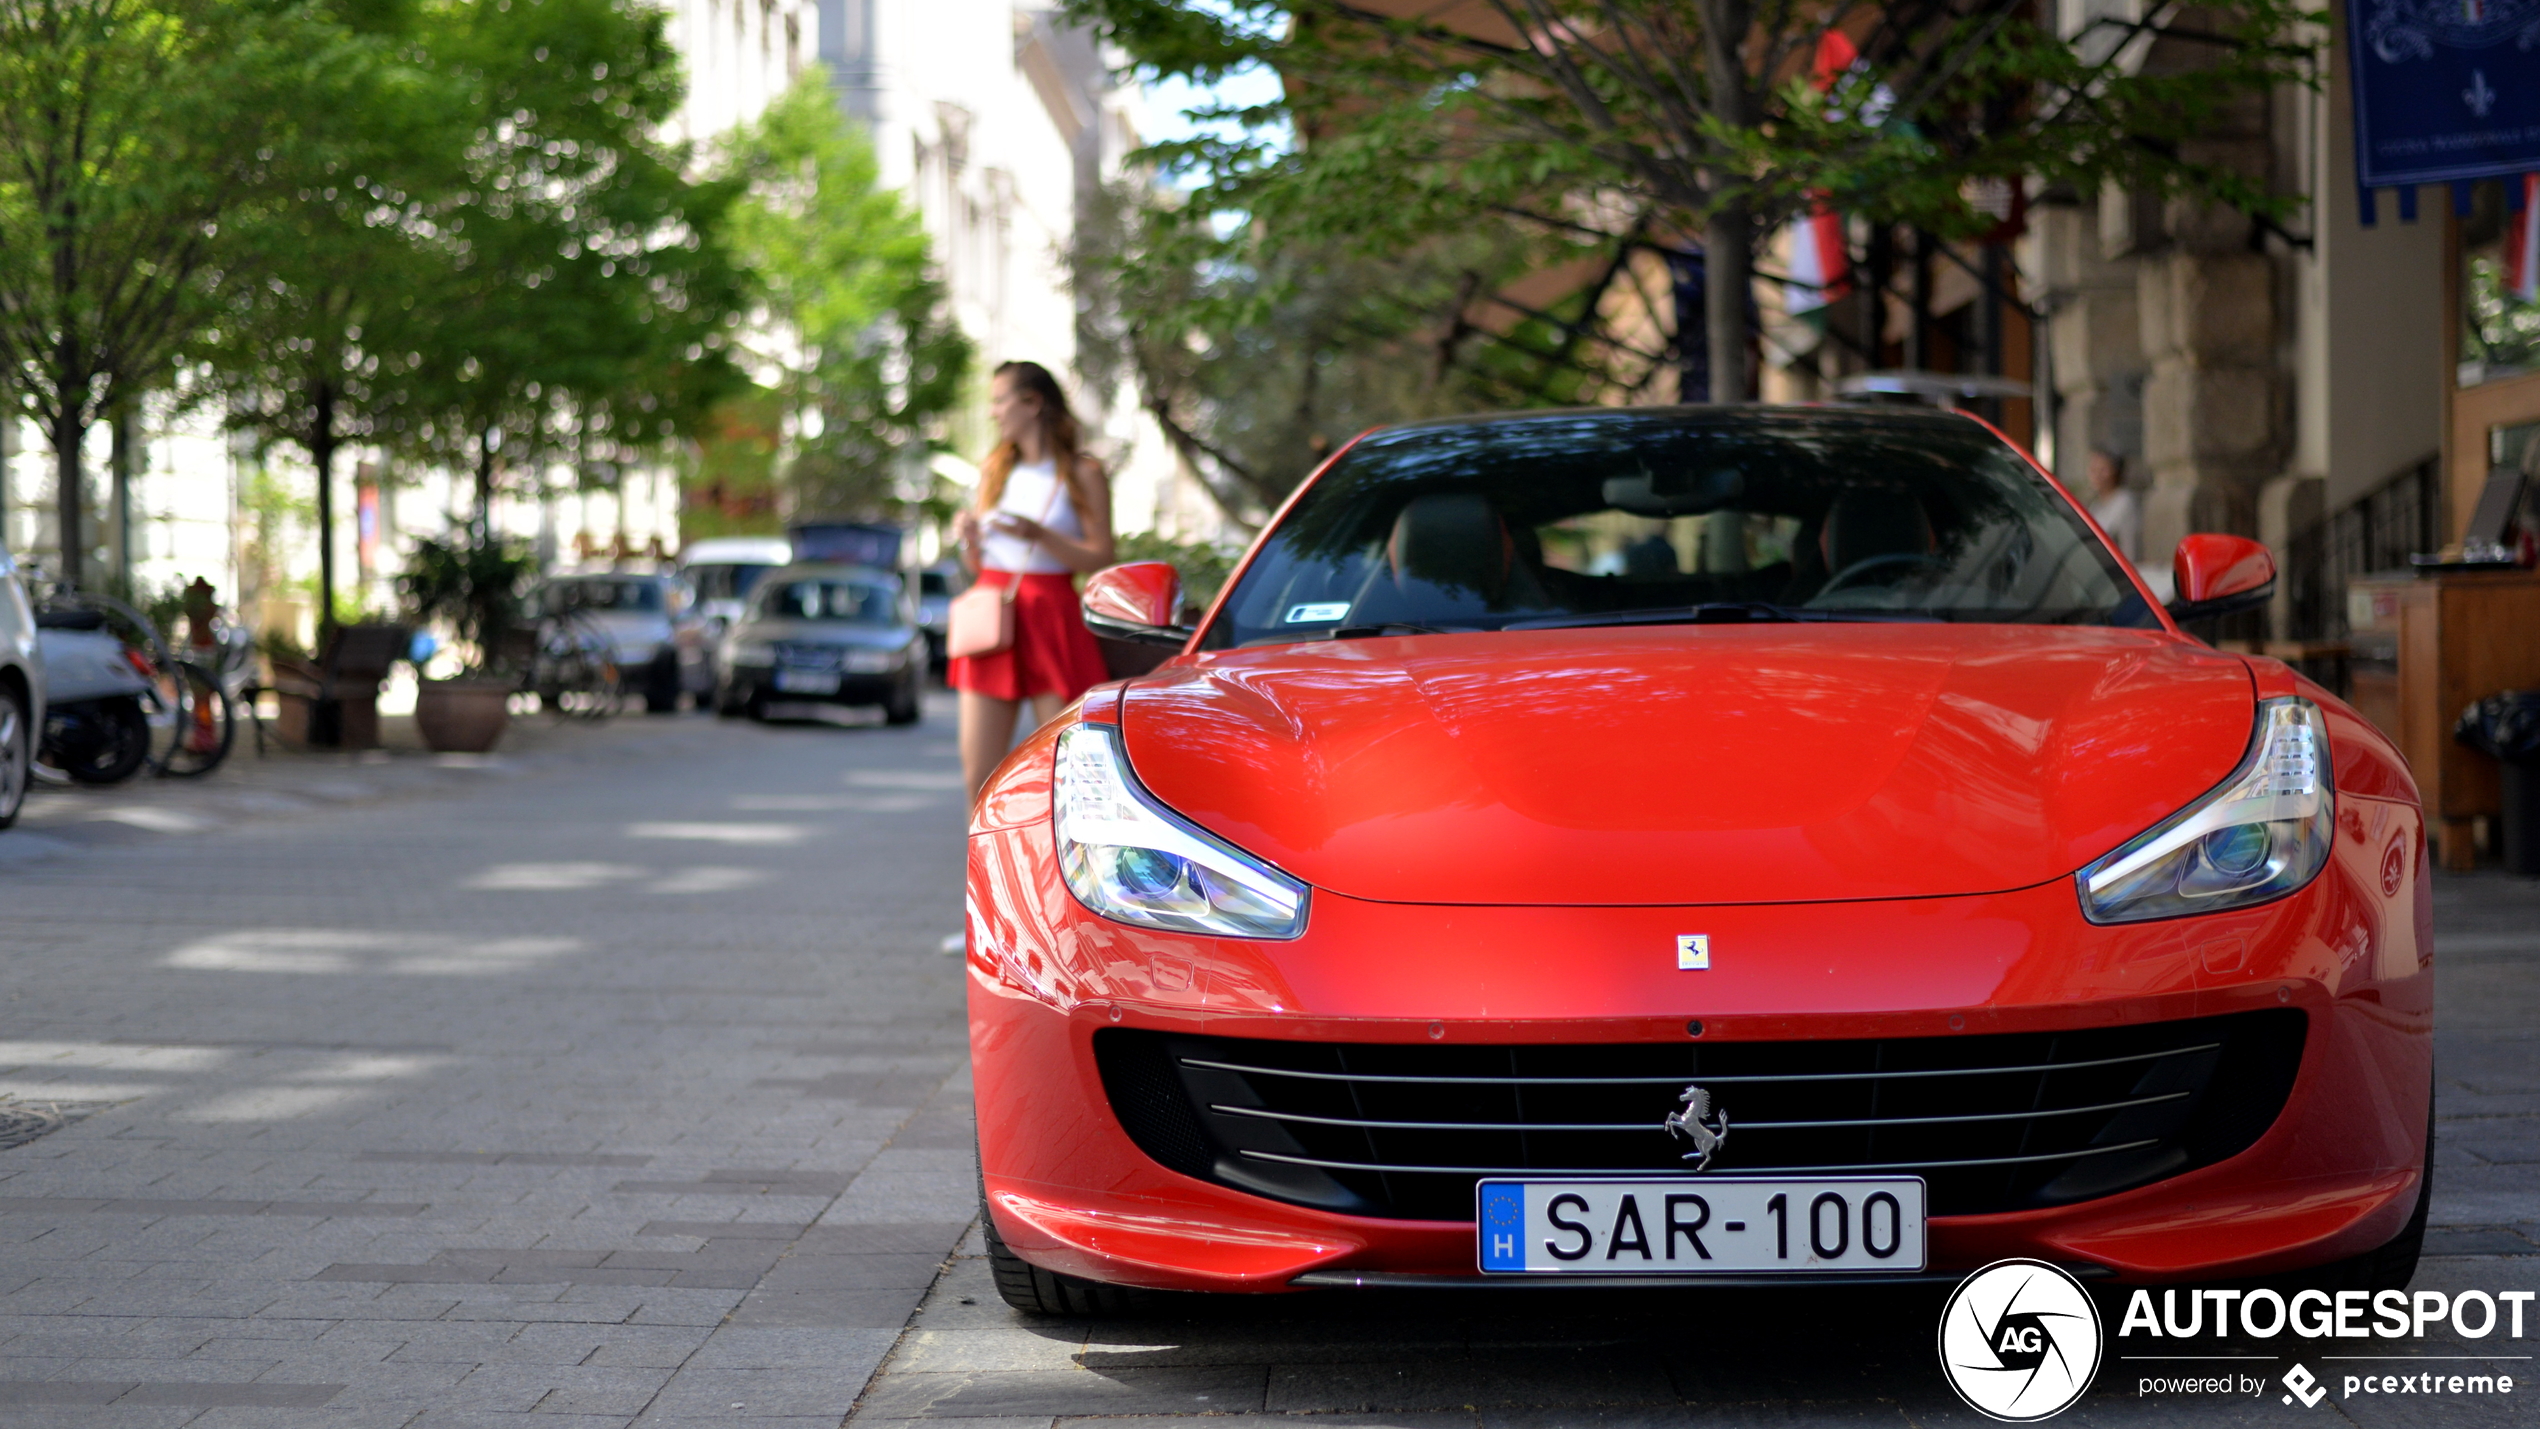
[[1503, 1225]]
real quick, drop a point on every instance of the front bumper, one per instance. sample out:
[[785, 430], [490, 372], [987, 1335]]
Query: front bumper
[[854, 688], [2334, 1175]]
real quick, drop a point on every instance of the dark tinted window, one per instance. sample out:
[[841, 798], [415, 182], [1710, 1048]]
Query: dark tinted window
[[643, 596], [1580, 518], [724, 582], [864, 602]]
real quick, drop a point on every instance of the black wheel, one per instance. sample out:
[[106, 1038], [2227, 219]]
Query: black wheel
[[906, 706], [726, 703], [661, 685], [107, 745], [205, 724], [1035, 1291], [17, 753]]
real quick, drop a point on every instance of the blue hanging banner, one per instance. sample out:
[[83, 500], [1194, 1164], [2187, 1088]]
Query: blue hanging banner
[[2446, 91]]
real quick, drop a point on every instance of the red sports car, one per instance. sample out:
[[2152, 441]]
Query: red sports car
[[1694, 846]]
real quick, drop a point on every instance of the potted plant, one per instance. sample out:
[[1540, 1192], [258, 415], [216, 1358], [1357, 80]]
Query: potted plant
[[472, 584]]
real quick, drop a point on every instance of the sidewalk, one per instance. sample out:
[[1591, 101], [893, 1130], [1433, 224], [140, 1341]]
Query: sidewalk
[[283, 783]]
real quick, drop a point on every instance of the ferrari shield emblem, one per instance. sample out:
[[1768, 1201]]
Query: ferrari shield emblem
[[1693, 952]]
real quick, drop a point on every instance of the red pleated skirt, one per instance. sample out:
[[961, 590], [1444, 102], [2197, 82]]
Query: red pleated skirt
[[1052, 653]]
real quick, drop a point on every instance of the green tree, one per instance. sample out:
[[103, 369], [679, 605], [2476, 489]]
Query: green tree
[[866, 362], [316, 274], [131, 133], [1691, 119], [590, 292]]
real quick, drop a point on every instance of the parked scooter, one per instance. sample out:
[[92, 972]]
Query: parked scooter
[[98, 698]]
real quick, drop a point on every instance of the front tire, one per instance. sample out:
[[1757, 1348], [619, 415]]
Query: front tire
[[907, 705], [121, 746], [661, 686], [17, 754], [1035, 1291]]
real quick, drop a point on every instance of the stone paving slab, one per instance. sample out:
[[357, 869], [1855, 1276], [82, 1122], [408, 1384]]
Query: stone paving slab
[[537, 1094]]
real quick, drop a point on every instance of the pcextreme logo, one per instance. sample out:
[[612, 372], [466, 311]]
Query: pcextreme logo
[[2019, 1341]]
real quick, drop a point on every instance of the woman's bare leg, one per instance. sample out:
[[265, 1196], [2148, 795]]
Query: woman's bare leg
[[987, 732], [1045, 708]]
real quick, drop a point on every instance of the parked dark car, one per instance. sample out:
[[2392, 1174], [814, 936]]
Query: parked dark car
[[825, 634]]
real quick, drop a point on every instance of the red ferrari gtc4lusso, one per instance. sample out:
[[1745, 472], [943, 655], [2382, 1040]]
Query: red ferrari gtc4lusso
[[1696, 846]]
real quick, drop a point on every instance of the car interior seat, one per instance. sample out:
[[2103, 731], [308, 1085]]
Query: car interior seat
[[1458, 542], [1867, 523]]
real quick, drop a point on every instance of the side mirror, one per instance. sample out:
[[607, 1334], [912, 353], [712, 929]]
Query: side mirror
[[2220, 575], [1140, 601]]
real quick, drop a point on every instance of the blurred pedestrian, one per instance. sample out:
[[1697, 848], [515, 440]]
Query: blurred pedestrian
[[1042, 515], [2112, 503]]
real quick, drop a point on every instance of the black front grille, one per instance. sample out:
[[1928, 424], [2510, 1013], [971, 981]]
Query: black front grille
[[1996, 1122]]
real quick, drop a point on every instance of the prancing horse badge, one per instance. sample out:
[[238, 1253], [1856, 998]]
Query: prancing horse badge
[[1693, 952]]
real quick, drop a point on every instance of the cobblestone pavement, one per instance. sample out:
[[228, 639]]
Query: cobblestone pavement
[[1550, 1357], [622, 1082]]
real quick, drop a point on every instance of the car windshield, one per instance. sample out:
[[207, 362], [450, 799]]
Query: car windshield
[[604, 595], [863, 602], [1612, 518], [722, 582]]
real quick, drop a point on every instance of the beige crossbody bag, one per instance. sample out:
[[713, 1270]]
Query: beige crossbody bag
[[981, 620]]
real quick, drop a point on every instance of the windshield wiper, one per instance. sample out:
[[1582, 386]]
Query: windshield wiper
[[1720, 612]]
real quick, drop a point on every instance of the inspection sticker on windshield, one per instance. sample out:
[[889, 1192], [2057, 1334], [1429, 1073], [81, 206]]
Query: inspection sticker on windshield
[[1710, 1225], [1325, 610]]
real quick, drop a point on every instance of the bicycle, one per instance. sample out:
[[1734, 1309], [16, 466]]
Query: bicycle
[[187, 715], [575, 673]]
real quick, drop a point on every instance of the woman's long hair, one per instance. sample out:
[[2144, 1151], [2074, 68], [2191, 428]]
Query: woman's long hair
[[1061, 440]]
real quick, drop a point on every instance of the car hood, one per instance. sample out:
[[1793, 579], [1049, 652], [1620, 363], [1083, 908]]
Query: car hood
[[1713, 764]]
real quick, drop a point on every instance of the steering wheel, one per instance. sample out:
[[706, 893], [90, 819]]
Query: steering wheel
[[1845, 576]]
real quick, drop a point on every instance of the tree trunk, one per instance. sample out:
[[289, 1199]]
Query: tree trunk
[[1728, 239], [485, 485], [322, 456], [68, 431], [1728, 262]]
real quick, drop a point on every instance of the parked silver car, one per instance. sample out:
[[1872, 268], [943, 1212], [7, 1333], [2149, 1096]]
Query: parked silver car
[[21, 692], [645, 622], [825, 634]]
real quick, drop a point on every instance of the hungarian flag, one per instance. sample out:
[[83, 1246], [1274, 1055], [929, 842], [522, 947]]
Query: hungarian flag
[[1820, 260], [2522, 242]]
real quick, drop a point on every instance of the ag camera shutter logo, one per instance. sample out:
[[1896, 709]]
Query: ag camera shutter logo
[[2019, 1341]]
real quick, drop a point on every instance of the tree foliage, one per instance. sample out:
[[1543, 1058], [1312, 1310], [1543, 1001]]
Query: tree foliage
[[1259, 359], [1702, 123], [132, 132], [588, 292], [857, 345]]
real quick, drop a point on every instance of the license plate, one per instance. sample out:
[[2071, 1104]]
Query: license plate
[[1714, 1225], [807, 682]]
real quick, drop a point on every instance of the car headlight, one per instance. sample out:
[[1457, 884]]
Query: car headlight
[[1128, 857], [749, 652], [2261, 835], [871, 662]]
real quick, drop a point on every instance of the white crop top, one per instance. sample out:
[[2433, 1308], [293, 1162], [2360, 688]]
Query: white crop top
[[1028, 493]]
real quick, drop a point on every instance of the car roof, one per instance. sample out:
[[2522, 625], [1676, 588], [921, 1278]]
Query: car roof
[[737, 550], [1746, 416], [829, 570]]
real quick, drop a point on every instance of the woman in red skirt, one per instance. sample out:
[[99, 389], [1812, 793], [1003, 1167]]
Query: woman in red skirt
[[1043, 514]]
